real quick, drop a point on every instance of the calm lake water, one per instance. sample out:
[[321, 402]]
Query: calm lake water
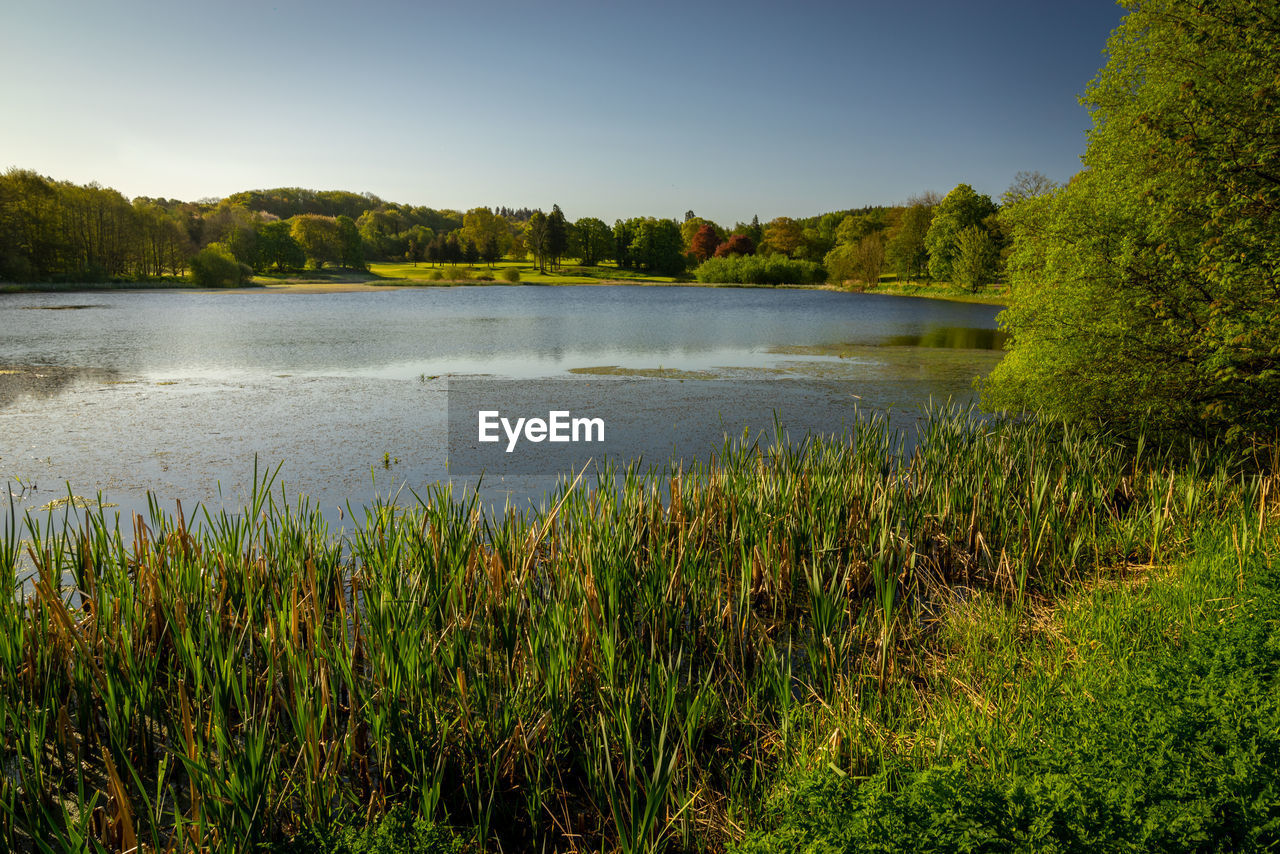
[[177, 391]]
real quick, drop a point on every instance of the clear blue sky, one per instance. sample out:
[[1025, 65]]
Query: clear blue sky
[[609, 109]]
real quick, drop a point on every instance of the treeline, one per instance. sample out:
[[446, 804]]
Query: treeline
[[56, 230], [52, 230]]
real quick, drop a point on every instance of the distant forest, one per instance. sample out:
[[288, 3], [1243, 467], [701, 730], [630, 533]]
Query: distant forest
[[59, 231]]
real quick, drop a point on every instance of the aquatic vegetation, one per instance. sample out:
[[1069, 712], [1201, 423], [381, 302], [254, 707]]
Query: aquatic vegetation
[[617, 669]]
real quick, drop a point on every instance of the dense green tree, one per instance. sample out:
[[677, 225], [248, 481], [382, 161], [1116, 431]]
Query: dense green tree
[[1149, 287], [958, 210], [593, 239], [278, 248], [905, 250], [215, 267], [537, 236], [318, 237], [557, 235], [976, 258], [417, 239], [656, 246], [482, 227], [861, 261], [623, 233], [351, 245], [783, 235]]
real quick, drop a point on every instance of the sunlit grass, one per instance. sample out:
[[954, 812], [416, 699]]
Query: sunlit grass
[[626, 668]]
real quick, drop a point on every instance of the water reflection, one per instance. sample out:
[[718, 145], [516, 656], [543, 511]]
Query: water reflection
[[178, 392], [953, 337]]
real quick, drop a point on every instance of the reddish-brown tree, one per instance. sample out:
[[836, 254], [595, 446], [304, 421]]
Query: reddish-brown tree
[[737, 244], [704, 243]]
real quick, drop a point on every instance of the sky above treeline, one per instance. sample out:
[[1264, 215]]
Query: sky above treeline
[[608, 109]]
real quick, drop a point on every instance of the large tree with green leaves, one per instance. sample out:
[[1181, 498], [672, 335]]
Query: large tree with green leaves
[[1149, 287], [976, 260], [905, 252], [537, 235], [594, 240], [959, 209]]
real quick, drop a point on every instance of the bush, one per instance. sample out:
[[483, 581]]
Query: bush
[[510, 274], [215, 267], [436, 275], [759, 270], [457, 274], [397, 833]]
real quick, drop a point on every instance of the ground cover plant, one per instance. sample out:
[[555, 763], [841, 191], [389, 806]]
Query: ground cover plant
[[634, 669]]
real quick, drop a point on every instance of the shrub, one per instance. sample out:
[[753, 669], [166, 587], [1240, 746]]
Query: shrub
[[510, 274], [215, 267], [456, 274], [759, 270], [436, 275]]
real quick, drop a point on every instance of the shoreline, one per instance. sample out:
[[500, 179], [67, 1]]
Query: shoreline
[[355, 283]]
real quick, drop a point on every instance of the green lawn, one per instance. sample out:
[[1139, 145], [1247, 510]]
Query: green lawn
[[568, 274]]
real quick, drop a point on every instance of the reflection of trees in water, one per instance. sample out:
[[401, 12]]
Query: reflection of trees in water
[[953, 337], [19, 381]]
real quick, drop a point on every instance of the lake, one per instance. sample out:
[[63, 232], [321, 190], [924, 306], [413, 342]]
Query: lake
[[177, 392]]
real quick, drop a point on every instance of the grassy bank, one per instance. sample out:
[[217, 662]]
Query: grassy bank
[[403, 274], [993, 294], [1138, 713], [664, 667]]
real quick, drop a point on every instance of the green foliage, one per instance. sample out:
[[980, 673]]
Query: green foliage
[[1166, 737], [905, 251], [537, 236], [1149, 287], [59, 231], [958, 210], [976, 258], [655, 246], [860, 261], [678, 640], [278, 248], [759, 270], [319, 238], [593, 240], [557, 235], [351, 244], [397, 833], [784, 235], [215, 267], [510, 274]]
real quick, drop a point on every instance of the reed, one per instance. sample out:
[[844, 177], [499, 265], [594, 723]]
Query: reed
[[614, 672]]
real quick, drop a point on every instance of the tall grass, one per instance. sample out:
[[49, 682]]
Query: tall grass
[[614, 671]]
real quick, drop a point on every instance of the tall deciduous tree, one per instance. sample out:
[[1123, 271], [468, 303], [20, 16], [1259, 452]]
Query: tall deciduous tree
[[318, 237], [905, 250], [737, 244], [594, 240], [1149, 287], [350, 243], [704, 243], [557, 235], [784, 235], [537, 237], [961, 208], [976, 258]]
